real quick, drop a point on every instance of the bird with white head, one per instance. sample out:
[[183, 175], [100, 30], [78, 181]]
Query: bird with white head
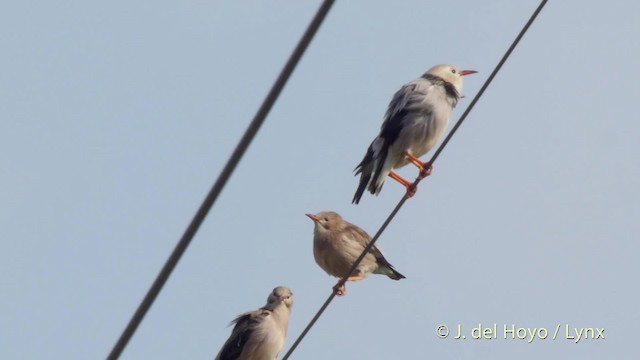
[[415, 120]]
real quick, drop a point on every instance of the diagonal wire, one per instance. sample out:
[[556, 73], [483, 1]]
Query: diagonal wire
[[395, 210], [224, 176]]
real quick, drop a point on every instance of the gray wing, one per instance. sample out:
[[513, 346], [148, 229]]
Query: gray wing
[[242, 331], [406, 100], [404, 106]]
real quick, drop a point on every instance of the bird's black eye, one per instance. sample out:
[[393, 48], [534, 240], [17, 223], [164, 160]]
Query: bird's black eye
[[453, 71], [326, 219]]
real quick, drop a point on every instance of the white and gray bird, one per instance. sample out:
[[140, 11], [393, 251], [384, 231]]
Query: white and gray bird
[[260, 334], [415, 119], [336, 246]]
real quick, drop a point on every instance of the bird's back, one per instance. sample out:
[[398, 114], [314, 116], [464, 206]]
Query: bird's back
[[255, 336]]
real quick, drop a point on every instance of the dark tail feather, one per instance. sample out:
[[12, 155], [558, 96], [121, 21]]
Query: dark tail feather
[[364, 180], [385, 268], [395, 275], [364, 169], [375, 190]]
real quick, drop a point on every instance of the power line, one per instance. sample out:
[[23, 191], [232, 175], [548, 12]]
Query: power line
[[395, 210], [489, 80], [224, 176]]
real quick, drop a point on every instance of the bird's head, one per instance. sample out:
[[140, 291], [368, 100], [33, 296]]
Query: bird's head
[[450, 74], [279, 295], [326, 220]]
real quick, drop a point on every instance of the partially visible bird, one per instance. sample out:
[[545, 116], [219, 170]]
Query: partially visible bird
[[260, 334], [336, 246], [415, 119]]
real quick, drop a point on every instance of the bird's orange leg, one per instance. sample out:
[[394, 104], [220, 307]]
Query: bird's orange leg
[[411, 188], [341, 290], [425, 168]]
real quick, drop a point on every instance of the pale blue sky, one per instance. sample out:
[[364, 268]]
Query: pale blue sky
[[117, 117]]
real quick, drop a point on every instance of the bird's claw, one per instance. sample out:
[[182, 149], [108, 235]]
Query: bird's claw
[[411, 190], [339, 290], [425, 170]]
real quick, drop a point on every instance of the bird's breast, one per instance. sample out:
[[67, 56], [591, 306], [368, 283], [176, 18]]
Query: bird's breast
[[422, 134]]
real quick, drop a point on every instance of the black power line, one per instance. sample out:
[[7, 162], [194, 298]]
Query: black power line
[[395, 210], [224, 176]]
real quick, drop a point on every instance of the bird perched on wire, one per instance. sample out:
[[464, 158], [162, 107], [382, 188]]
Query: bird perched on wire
[[336, 246], [415, 119], [260, 334]]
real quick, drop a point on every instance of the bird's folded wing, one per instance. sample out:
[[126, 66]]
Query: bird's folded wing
[[242, 331], [362, 238], [410, 97]]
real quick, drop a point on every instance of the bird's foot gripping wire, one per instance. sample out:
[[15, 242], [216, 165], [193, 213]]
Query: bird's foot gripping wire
[[425, 167], [411, 187], [339, 290]]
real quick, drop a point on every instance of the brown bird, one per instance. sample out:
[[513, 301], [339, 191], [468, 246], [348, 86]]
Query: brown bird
[[260, 334], [336, 246]]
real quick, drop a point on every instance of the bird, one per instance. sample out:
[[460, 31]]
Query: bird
[[414, 121], [336, 246], [260, 334]]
